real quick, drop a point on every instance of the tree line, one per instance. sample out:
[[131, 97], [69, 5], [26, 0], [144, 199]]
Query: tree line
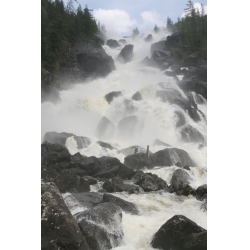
[[60, 22]]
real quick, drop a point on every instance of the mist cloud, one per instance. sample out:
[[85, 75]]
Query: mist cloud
[[116, 21]]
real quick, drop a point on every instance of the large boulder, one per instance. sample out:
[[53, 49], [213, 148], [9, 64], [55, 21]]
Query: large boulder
[[179, 232], [137, 96], [91, 165], [193, 85], [101, 225], [126, 206], [54, 153], [139, 161], [54, 137], [126, 54], [105, 129], [96, 63], [113, 44], [180, 175], [82, 142], [172, 156], [191, 134], [149, 38], [110, 96], [179, 118], [201, 192], [116, 185], [191, 60], [105, 145], [59, 229], [161, 45], [86, 199]]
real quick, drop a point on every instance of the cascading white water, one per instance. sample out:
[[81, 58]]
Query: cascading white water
[[81, 109]]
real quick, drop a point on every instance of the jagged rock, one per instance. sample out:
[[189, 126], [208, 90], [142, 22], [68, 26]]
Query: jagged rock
[[116, 185], [105, 145], [54, 153], [54, 137], [82, 142], [110, 96], [193, 85], [161, 45], [122, 41], [190, 134], [105, 129], [113, 44], [158, 53], [126, 206], [149, 62], [161, 143], [97, 63], [179, 232], [201, 192], [91, 165], [120, 170], [179, 178], [87, 199], [137, 176], [101, 225], [49, 174], [137, 96], [58, 227], [179, 119], [77, 157], [149, 38], [172, 156], [139, 161], [126, 54]]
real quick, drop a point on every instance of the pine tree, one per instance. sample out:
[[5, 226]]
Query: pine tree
[[135, 32], [156, 29], [190, 8]]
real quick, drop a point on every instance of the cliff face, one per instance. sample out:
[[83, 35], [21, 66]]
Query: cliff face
[[78, 63]]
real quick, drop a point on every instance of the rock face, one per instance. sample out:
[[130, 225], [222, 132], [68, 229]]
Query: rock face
[[179, 232], [105, 129], [139, 161], [126, 206], [82, 142], [54, 137], [110, 96], [101, 225], [190, 134], [98, 63], [137, 96], [126, 54], [193, 85], [105, 145], [149, 38], [113, 44], [58, 227]]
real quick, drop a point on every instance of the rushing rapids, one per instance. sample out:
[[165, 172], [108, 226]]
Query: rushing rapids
[[83, 106]]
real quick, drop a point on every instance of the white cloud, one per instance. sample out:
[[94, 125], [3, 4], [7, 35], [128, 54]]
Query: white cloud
[[152, 18], [197, 6], [116, 21]]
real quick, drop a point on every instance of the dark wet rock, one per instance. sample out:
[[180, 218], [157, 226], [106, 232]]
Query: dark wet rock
[[195, 86], [58, 227], [149, 62], [179, 232], [139, 161], [97, 63], [186, 190], [102, 190], [49, 174], [88, 199], [150, 182], [175, 37], [126, 54], [204, 205], [91, 165], [126, 206], [201, 192], [191, 60], [105, 145], [54, 137], [161, 45], [82, 142], [161, 143], [75, 171], [137, 96], [108, 161], [157, 53], [128, 126], [54, 153], [194, 114], [137, 176], [199, 99], [116, 185], [69, 182], [172, 156], [190, 134], [101, 225], [179, 179], [105, 129], [191, 99], [122, 41], [110, 171], [77, 157], [149, 38], [179, 119], [113, 44], [110, 96], [187, 167]]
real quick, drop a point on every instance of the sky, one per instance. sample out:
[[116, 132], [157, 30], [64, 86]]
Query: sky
[[120, 17]]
